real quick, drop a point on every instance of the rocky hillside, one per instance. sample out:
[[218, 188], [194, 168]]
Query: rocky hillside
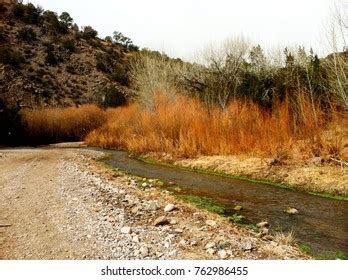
[[46, 60]]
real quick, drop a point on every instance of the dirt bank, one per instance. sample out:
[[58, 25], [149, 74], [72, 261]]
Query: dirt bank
[[58, 203]]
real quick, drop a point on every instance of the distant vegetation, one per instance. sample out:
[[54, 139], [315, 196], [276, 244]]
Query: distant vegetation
[[184, 127], [58, 125], [238, 99]]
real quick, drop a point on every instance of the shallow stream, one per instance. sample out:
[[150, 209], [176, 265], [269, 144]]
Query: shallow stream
[[322, 223]]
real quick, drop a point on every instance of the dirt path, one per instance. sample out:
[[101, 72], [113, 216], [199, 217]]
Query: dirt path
[[59, 203]]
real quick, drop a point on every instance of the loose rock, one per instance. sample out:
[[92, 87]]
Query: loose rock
[[160, 221], [262, 224], [211, 251], [170, 207], [126, 230], [211, 223], [222, 254], [210, 245], [291, 211], [144, 251], [247, 246]]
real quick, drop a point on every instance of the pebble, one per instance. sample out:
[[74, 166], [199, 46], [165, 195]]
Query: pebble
[[247, 246], [291, 211], [144, 251], [264, 231], [126, 230], [210, 245], [262, 224], [211, 223], [222, 254], [153, 206], [211, 251]]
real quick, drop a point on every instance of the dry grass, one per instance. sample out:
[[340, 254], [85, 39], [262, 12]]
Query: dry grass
[[282, 238], [61, 124], [185, 128]]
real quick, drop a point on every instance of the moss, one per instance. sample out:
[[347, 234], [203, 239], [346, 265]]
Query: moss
[[323, 255], [305, 248], [204, 203], [332, 255], [237, 218]]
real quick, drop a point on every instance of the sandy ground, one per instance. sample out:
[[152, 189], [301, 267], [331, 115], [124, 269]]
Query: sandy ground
[[59, 203]]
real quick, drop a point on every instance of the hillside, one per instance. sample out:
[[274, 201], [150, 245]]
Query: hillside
[[47, 61]]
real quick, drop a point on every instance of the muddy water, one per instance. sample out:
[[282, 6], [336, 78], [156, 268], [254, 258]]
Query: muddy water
[[321, 223]]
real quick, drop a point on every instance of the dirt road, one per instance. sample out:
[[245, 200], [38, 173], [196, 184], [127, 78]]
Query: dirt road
[[59, 203]]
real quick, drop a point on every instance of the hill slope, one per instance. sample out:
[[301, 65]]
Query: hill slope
[[45, 60]]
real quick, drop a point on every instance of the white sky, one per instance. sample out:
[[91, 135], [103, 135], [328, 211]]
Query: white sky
[[182, 27]]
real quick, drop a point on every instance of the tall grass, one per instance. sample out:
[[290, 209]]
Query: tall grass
[[185, 128], [61, 124]]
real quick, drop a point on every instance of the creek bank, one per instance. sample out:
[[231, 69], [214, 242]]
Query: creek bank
[[325, 178], [259, 201]]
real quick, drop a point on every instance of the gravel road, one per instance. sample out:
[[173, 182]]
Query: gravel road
[[59, 203]]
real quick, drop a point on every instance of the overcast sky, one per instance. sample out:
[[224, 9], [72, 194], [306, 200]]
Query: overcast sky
[[181, 27]]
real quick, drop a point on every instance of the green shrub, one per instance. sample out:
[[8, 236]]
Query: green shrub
[[52, 22], [10, 57], [109, 63], [89, 33], [26, 34], [11, 127], [27, 13], [69, 45], [66, 19], [120, 76], [113, 97], [50, 58]]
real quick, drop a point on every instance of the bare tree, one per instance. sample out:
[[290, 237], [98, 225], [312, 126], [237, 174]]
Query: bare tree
[[337, 62], [217, 80], [153, 73]]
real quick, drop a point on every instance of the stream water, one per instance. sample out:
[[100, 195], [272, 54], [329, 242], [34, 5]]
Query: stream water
[[322, 223]]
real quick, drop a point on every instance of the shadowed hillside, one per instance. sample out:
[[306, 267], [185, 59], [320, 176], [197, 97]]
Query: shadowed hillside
[[47, 61]]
